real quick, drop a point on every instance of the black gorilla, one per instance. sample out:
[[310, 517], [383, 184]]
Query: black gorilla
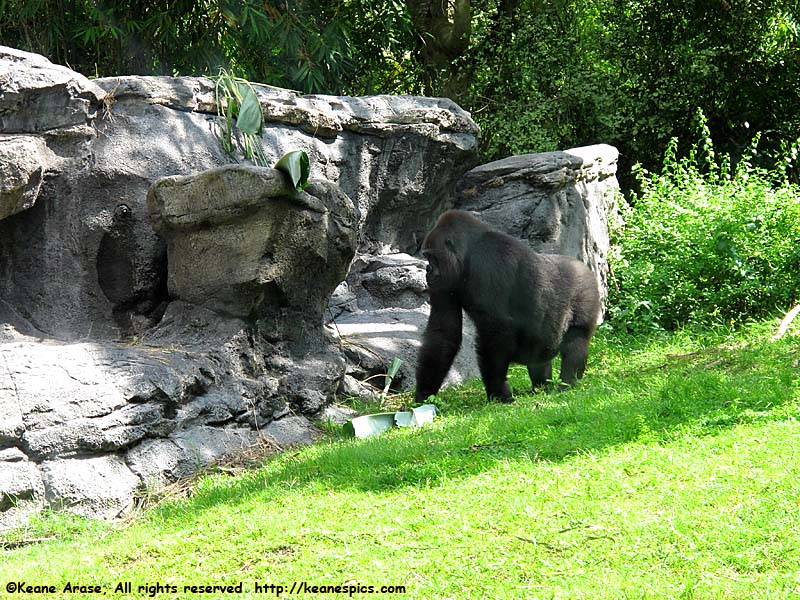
[[527, 307]]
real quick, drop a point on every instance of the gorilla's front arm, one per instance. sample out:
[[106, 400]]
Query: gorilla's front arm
[[440, 344]]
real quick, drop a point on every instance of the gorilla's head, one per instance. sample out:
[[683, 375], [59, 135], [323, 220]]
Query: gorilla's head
[[445, 248]]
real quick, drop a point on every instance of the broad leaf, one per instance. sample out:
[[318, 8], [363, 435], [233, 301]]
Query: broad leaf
[[393, 369], [297, 167], [250, 119], [395, 366]]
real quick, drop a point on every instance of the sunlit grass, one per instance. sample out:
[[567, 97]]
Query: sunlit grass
[[671, 471]]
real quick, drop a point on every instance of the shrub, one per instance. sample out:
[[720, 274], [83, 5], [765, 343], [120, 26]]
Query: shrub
[[706, 243]]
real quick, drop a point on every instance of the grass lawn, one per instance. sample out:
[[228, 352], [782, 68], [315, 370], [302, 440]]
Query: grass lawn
[[671, 471]]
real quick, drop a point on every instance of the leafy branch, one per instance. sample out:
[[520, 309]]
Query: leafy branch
[[239, 107]]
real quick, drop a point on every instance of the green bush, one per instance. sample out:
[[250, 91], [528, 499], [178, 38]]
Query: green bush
[[705, 243]]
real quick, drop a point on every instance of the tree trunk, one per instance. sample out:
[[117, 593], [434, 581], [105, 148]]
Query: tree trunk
[[444, 27]]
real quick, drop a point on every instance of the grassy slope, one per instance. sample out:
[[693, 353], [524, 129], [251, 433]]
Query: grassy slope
[[671, 472]]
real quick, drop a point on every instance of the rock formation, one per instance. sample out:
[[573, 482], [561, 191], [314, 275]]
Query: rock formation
[[143, 339]]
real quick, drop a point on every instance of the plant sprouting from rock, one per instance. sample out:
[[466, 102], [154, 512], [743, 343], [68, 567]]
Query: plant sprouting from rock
[[239, 109]]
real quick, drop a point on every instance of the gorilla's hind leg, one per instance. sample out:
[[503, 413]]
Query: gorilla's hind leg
[[494, 364], [574, 352], [540, 373]]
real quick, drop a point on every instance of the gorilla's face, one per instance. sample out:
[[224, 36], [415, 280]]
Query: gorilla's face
[[433, 272], [444, 261]]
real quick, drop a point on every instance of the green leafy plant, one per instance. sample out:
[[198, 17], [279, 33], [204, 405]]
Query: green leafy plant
[[296, 167], [706, 242], [390, 375], [240, 110]]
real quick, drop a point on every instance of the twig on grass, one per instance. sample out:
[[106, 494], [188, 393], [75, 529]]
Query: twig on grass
[[13, 544], [787, 320]]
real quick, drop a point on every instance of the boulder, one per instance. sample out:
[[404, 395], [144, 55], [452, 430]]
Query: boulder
[[21, 488], [559, 202], [383, 281], [159, 461], [284, 251], [22, 165], [19, 478], [97, 486], [290, 431], [39, 96]]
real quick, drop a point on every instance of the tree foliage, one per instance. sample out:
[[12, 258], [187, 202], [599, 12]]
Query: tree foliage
[[306, 45], [707, 241], [545, 75], [738, 61], [536, 75]]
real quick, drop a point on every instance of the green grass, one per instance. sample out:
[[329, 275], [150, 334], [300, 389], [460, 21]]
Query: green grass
[[672, 471]]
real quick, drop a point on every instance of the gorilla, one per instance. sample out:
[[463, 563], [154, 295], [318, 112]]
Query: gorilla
[[527, 307]]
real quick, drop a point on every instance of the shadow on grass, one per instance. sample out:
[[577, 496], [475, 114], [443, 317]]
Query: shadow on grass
[[694, 394]]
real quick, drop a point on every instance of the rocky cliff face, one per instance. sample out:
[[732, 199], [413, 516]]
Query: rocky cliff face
[[78, 156], [142, 339]]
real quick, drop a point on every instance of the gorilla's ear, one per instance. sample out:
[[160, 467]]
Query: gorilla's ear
[[450, 245]]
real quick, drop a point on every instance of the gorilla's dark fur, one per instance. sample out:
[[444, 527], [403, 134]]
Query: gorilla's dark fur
[[527, 307]]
